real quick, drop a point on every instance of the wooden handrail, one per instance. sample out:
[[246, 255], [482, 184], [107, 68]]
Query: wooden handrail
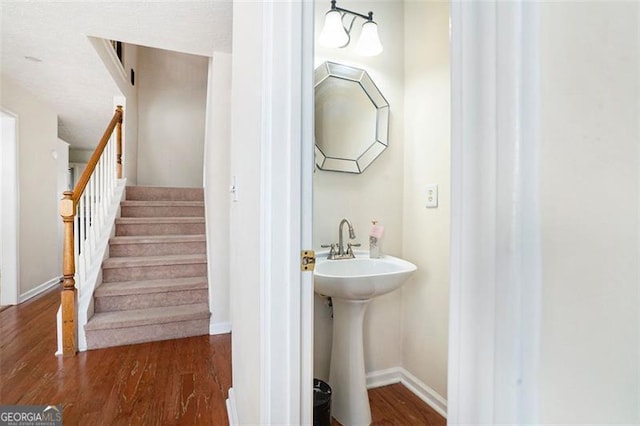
[[68, 212], [116, 121]]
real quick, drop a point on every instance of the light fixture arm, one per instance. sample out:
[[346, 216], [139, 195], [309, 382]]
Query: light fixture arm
[[335, 34], [368, 17]]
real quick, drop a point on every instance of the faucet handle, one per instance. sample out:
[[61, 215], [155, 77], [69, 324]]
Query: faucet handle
[[350, 248], [332, 250]]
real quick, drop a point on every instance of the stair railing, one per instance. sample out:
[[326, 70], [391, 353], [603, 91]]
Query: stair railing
[[83, 211]]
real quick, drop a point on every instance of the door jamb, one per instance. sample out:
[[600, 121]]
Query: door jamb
[[495, 304], [10, 218]]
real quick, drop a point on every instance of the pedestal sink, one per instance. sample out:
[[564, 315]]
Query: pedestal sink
[[352, 283]]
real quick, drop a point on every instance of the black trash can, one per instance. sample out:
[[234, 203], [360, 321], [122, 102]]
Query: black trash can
[[321, 403]]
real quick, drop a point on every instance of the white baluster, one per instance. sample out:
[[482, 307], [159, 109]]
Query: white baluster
[[112, 166], [89, 220], [94, 215], [76, 252], [100, 196], [110, 171], [81, 235]]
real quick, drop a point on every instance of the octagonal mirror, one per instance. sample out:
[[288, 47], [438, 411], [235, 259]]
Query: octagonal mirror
[[351, 119]]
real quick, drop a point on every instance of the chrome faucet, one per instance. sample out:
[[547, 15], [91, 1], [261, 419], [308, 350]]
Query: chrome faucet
[[340, 252]]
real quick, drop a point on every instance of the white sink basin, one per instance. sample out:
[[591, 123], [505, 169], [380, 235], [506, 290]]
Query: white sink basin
[[352, 283], [361, 278]]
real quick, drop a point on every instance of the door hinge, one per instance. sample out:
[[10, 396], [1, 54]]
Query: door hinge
[[307, 260]]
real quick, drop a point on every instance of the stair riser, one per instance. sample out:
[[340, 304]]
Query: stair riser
[[153, 272], [160, 229], [140, 193], [170, 211], [157, 249], [97, 339], [153, 300]]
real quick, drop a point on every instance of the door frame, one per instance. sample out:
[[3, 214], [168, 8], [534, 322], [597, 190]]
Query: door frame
[[9, 216], [287, 213], [495, 244], [495, 278]]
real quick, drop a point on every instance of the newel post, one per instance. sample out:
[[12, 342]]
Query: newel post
[[68, 297], [119, 143]]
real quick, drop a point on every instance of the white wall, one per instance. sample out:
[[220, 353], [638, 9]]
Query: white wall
[[377, 193], [37, 179], [217, 153], [589, 201], [62, 171], [79, 155], [172, 93], [425, 297], [120, 75], [246, 128], [130, 122]]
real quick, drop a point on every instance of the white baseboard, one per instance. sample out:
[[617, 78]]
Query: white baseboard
[[232, 412], [36, 291], [390, 376], [380, 378], [219, 327]]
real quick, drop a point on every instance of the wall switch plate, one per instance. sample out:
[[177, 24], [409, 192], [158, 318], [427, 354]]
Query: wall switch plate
[[233, 189], [432, 196]]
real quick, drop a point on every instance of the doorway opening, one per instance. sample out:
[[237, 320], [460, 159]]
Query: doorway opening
[[9, 280], [405, 189]]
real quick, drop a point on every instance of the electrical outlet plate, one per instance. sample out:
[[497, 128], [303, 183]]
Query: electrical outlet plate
[[432, 196]]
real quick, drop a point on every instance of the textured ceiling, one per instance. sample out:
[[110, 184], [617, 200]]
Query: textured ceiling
[[71, 77]]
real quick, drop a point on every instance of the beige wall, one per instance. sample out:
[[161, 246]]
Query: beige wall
[[39, 256], [244, 216], [79, 155], [172, 93], [408, 328], [377, 193], [130, 103], [216, 183], [130, 123], [425, 297], [589, 202]]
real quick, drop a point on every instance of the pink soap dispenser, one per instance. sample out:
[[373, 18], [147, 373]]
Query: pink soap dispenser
[[374, 239]]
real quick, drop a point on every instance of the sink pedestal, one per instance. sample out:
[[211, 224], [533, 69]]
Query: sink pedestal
[[350, 404]]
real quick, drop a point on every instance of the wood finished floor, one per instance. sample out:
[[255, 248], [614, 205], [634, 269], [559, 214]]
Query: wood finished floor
[[183, 381]]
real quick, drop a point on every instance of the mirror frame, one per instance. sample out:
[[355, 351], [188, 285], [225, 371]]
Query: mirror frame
[[355, 165]]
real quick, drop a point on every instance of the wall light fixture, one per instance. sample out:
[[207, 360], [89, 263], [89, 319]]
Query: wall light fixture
[[336, 35]]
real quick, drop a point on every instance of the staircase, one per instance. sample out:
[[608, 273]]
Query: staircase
[[154, 284]]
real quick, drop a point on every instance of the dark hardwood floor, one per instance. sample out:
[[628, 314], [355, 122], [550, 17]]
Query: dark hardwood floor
[[183, 381]]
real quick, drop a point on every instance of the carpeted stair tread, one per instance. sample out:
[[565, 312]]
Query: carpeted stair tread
[[132, 262], [149, 316], [161, 203], [145, 220], [157, 239], [158, 193], [123, 288]]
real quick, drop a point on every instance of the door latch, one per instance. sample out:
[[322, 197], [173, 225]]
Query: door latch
[[307, 260]]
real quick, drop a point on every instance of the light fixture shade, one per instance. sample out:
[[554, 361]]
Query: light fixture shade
[[369, 43], [333, 33]]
